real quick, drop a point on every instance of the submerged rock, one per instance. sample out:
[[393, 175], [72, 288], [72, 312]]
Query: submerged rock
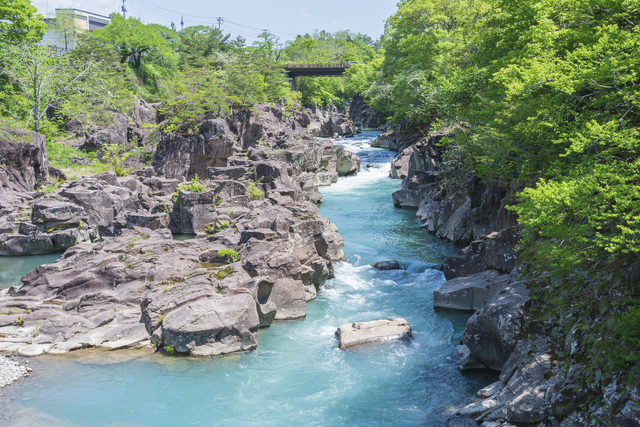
[[352, 334], [387, 265]]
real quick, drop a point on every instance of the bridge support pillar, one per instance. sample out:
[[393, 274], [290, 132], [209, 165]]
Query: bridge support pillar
[[293, 84]]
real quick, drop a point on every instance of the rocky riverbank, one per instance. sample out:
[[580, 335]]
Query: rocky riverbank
[[12, 369], [262, 253], [544, 373]]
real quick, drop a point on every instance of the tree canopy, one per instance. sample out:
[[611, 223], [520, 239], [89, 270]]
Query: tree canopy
[[20, 21]]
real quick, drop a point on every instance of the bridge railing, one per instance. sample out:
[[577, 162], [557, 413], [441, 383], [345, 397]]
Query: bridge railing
[[332, 65]]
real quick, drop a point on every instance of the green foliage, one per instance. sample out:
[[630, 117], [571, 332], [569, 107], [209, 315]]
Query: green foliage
[[60, 157], [115, 155], [198, 46], [254, 191], [324, 47], [141, 43], [193, 186], [542, 95], [20, 22], [228, 254], [216, 227], [224, 273], [171, 351]]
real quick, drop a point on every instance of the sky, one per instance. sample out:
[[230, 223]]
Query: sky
[[285, 18]]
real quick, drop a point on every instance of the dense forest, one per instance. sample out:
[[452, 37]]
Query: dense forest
[[539, 93]]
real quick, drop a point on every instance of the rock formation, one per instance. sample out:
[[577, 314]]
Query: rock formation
[[263, 252]]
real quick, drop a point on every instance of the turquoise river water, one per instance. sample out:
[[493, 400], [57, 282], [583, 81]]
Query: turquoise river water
[[297, 376]]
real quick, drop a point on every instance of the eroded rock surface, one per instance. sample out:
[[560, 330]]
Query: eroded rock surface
[[263, 252], [353, 334]]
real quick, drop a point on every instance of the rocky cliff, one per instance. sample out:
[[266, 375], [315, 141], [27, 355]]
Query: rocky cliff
[[363, 114], [263, 248], [547, 377]]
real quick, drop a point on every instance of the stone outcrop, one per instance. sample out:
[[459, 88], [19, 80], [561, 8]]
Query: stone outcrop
[[469, 293], [496, 250], [264, 133], [399, 137], [353, 334], [24, 164], [124, 128], [263, 251], [465, 211], [413, 189], [363, 114], [532, 387]]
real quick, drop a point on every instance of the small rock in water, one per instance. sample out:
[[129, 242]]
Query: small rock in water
[[352, 334], [369, 165], [387, 265]]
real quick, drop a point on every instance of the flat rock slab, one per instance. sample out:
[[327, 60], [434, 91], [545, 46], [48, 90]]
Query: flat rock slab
[[352, 334], [31, 350]]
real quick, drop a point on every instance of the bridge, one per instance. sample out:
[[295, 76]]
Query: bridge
[[334, 69]]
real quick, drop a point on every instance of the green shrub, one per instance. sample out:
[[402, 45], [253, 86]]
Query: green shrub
[[254, 192], [229, 254], [170, 350], [115, 156], [193, 186], [215, 227]]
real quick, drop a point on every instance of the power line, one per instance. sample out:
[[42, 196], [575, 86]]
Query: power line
[[216, 18]]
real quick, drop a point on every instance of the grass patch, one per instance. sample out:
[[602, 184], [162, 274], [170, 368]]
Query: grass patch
[[60, 157]]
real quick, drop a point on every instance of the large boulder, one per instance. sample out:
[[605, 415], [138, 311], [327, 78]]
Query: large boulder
[[215, 326], [387, 265], [363, 114], [352, 334], [116, 132], [469, 293], [347, 163], [413, 188], [18, 245], [491, 333]]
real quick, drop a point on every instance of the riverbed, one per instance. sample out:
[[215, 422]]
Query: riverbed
[[297, 376]]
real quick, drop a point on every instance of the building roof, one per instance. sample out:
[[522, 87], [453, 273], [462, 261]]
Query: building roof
[[84, 11]]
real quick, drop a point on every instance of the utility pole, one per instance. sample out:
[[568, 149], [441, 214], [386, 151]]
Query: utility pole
[[220, 21], [124, 9]]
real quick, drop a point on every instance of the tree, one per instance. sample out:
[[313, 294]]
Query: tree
[[20, 22], [63, 26], [136, 41], [199, 43], [44, 80]]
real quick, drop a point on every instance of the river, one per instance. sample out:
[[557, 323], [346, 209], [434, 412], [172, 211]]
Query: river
[[297, 376]]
